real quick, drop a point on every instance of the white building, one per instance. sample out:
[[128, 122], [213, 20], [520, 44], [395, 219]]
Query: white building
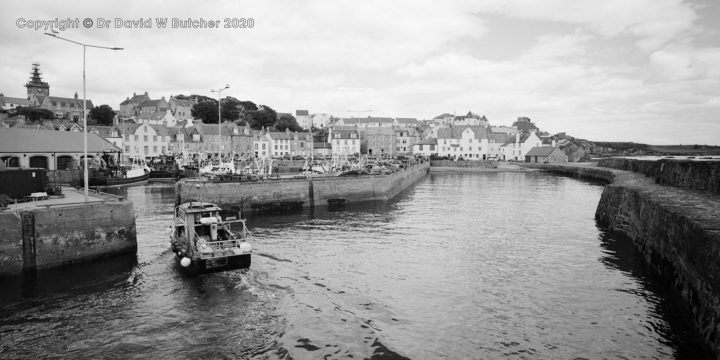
[[468, 142], [515, 149], [145, 140], [303, 118], [344, 142], [163, 117], [425, 147], [320, 120]]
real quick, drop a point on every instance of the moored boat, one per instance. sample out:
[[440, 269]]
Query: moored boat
[[203, 241]]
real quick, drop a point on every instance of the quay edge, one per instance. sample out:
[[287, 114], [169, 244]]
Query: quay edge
[[676, 230], [299, 193], [52, 236]]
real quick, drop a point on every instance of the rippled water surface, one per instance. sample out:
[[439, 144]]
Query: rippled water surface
[[460, 266]]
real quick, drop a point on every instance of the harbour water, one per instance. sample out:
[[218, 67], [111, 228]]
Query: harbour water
[[460, 266]]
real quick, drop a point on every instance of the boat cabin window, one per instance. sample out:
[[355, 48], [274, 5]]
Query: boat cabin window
[[180, 231]]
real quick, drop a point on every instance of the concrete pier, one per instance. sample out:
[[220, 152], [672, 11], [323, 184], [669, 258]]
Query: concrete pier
[[56, 232], [298, 193]]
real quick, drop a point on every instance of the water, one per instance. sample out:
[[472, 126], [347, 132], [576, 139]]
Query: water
[[460, 266]]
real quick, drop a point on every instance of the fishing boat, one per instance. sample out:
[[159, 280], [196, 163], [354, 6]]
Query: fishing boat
[[107, 172], [203, 241]]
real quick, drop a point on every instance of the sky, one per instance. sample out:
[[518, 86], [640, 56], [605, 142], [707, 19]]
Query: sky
[[646, 71]]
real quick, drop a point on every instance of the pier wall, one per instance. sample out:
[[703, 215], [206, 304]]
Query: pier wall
[[298, 193], [485, 164], [46, 237], [687, 174], [581, 172]]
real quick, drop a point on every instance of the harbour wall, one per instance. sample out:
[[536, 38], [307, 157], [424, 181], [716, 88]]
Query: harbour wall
[[687, 174], [486, 164], [45, 237], [298, 193], [675, 229]]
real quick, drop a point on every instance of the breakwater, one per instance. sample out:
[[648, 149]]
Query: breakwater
[[676, 230], [61, 234], [285, 194], [687, 174]]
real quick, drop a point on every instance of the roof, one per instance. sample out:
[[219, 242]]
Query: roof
[[13, 100], [367, 120], [211, 129], [455, 132], [104, 131], [151, 102], [322, 145], [442, 116], [541, 151], [33, 141], [66, 102], [302, 113], [280, 135], [181, 102], [407, 121], [138, 99], [501, 137], [160, 130], [511, 139], [156, 115], [344, 134], [430, 141]]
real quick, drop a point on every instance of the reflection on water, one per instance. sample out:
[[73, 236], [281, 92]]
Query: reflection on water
[[499, 265]]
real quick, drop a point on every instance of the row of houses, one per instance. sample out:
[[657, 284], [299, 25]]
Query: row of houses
[[480, 143]]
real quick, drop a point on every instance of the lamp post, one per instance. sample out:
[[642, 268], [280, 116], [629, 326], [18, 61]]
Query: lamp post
[[220, 145], [85, 146]]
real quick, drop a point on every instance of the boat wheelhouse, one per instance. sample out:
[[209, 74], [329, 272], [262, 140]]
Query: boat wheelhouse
[[203, 241]]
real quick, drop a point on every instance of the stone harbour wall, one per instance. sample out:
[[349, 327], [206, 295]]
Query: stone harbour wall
[[297, 193], [486, 164], [702, 175], [47, 237]]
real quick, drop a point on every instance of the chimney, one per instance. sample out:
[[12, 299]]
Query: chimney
[[76, 95], [163, 98], [116, 122], [517, 137], [553, 143], [134, 94], [146, 93]]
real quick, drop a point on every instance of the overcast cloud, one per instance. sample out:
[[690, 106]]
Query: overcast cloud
[[617, 70]]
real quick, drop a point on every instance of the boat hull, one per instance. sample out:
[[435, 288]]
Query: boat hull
[[106, 181], [203, 266]]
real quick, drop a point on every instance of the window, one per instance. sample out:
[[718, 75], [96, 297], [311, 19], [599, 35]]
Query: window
[[163, 149], [137, 137], [127, 137], [275, 146], [127, 148], [146, 149], [154, 137], [155, 148], [145, 129]]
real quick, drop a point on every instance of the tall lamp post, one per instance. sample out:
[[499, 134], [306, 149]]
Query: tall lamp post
[[220, 147], [85, 145]]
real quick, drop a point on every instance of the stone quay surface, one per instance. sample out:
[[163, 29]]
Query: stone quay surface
[[298, 193], [676, 229], [51, 233]]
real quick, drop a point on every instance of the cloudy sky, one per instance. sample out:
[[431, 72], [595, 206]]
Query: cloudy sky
[[615, 70]]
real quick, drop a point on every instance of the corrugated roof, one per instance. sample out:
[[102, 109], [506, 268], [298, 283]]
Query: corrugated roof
[[540, 151], [34, 141]]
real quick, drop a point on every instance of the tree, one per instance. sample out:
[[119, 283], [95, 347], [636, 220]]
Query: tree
[[103, 114], [267, 117], [34, 114], [205, 111], [287, 121], [320, 135]]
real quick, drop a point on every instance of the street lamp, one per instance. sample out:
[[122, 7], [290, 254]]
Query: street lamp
[[85, 146], [219, 91]]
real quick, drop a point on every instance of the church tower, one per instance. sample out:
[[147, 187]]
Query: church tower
[[36, 87]]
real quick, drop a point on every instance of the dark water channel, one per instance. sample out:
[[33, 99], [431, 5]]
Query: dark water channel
[[460, 266]]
